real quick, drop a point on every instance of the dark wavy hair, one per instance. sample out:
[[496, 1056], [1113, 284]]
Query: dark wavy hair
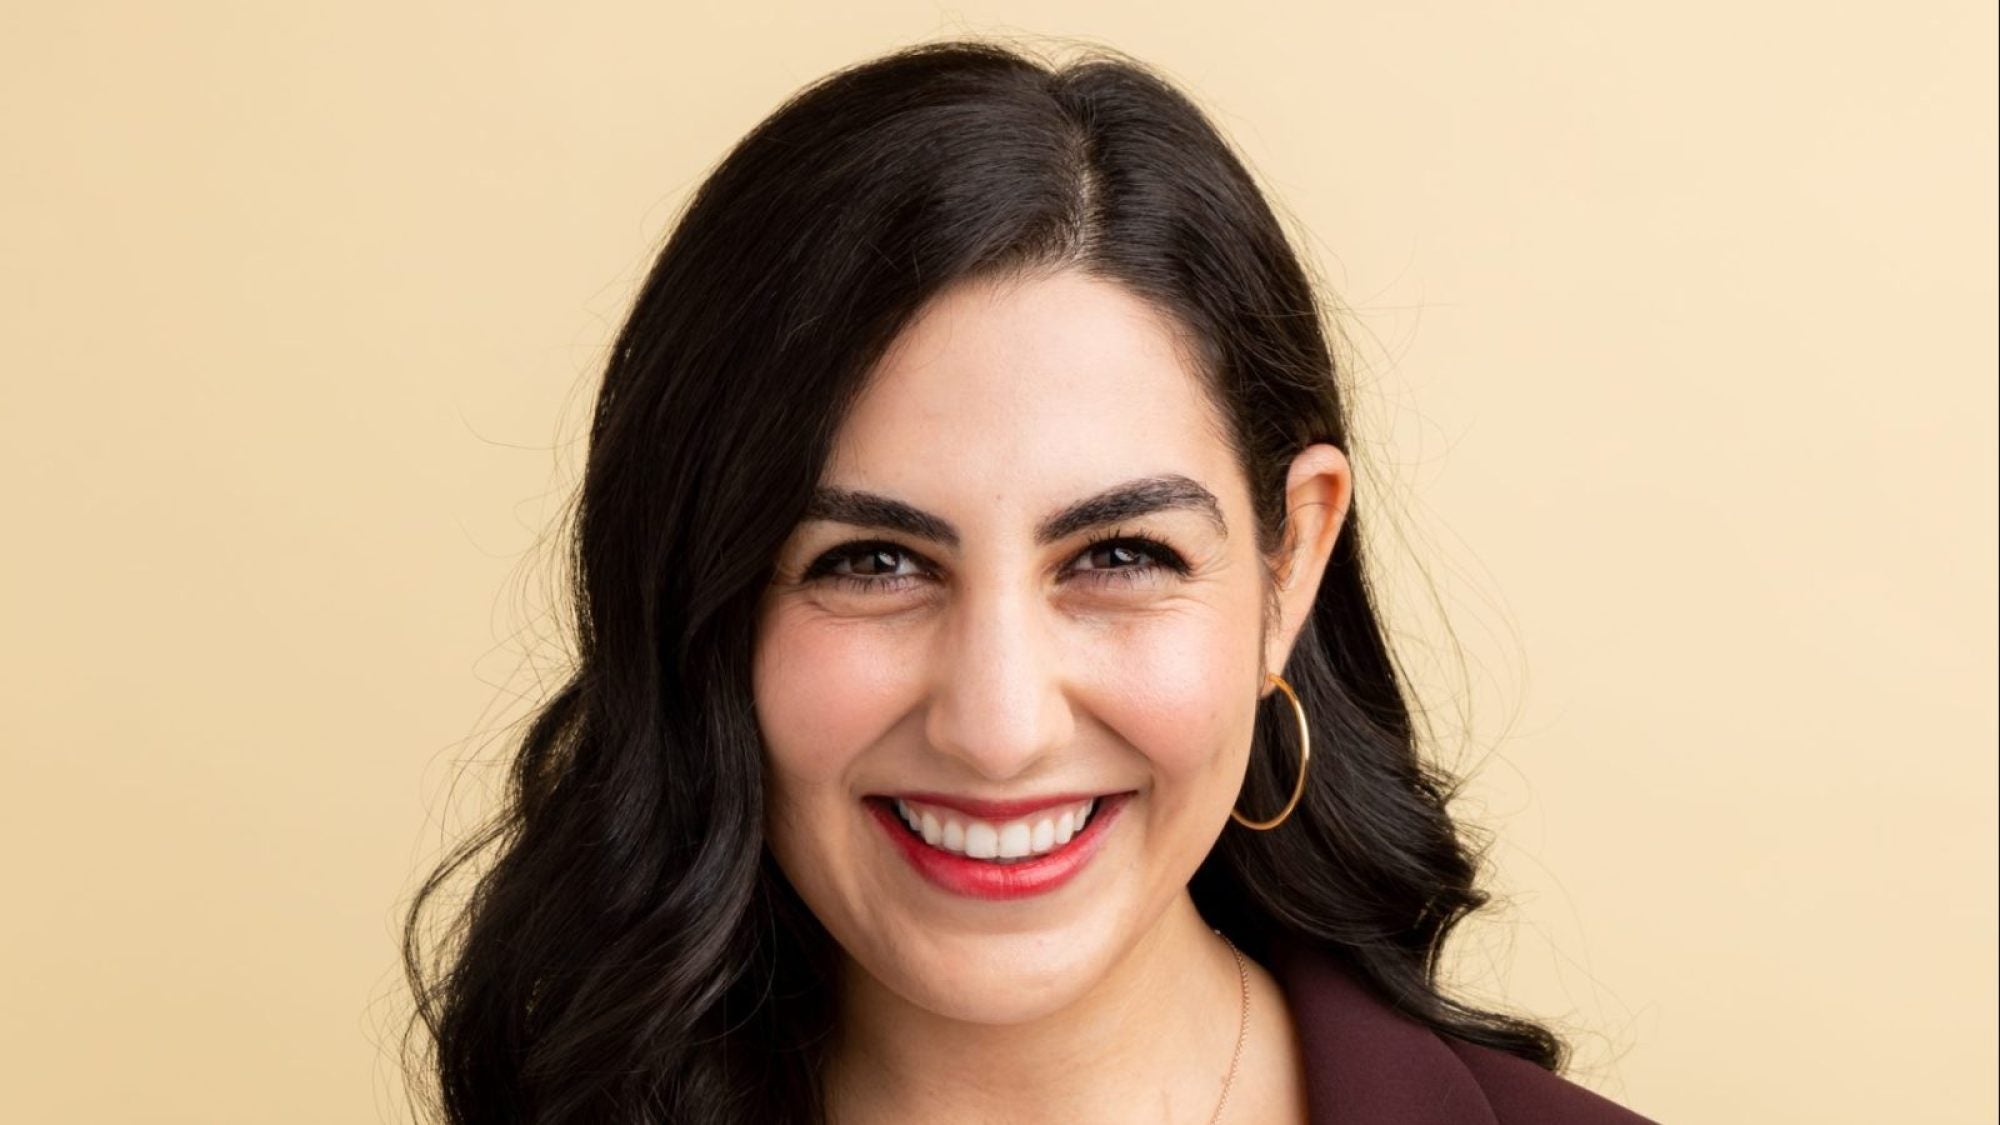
[[632, 953]]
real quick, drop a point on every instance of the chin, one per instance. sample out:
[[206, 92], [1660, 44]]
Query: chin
[[999, 978]]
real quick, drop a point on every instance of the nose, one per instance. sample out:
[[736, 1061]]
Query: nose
[[997, 690]]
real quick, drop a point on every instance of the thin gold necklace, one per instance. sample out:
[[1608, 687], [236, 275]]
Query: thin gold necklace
[[1242, 1025]]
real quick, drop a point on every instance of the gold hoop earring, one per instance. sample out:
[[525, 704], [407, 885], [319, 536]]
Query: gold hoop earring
[[1305, 754]]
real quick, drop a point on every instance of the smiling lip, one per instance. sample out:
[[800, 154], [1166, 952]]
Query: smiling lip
[[978, 878]]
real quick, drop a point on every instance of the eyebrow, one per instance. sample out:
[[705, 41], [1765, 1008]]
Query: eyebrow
[[1130, 500]]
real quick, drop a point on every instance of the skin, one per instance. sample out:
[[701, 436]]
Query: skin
[[1002, 667]]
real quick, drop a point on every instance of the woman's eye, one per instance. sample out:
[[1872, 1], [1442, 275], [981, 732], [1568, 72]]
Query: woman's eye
[[871, 563], [869, 566], [1130, 560], [1116, 554]]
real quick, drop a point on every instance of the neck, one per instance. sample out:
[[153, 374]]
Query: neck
[[1152, 1037]]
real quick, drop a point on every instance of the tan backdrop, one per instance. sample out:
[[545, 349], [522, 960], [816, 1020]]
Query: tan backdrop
[[1673, 331]]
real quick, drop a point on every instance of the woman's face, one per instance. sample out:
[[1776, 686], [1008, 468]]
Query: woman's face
[[1033, 580]]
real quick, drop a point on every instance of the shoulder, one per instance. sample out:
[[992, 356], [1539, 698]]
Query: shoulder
[[1368, 1063], [1518, 1090]]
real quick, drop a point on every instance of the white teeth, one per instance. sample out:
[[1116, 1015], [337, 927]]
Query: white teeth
[[1001, 842]]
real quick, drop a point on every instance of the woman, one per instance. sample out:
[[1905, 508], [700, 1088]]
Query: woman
[[981, 714]]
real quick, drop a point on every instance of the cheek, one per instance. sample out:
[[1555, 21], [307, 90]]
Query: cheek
[[1178, 689], [825, 691]]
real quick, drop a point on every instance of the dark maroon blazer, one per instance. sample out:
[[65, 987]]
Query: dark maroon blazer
[[1368, 1064]]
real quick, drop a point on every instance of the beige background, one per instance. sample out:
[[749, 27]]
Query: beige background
[[1673, 329]]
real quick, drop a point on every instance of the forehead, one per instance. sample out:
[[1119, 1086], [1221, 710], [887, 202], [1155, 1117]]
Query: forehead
[[1035, 388]]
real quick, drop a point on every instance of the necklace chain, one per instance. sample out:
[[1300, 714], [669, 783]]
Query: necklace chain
[[1242, 1025]]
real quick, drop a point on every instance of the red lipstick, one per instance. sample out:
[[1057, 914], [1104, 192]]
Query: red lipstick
[[978, 878]]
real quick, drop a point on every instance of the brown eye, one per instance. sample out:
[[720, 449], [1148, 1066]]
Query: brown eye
[[1115, 556], [873, 562], [870, 566], [1129, 560]]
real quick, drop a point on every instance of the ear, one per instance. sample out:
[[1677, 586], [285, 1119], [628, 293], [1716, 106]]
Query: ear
[[1318, 491]]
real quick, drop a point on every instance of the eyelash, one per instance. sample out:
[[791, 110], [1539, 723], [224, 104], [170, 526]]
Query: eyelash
[[1163, 556]]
